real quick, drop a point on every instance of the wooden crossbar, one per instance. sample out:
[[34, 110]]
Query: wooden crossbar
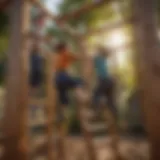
[[83, 10], [50, 15]]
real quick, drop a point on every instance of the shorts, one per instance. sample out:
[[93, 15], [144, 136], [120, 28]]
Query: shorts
[[65, 83], [105, 88], [35, 79]]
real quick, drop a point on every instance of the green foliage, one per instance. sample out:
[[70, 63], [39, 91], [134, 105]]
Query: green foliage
[[70, 5], [74, 125], [4, 34], [88, 19], [3, 22]]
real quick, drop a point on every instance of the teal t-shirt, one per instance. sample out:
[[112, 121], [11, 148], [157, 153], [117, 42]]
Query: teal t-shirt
[[101, 66]]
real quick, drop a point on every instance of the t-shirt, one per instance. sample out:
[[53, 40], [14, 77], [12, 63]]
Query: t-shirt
[[101, 66], [64, 61]]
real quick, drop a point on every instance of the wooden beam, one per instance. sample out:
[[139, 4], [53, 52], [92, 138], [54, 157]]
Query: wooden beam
[[15, 115], [147, 58], [50, 15], [71, 15], [83, 10], [60, 20]]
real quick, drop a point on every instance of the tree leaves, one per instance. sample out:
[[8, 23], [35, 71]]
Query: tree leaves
[[3, 22]]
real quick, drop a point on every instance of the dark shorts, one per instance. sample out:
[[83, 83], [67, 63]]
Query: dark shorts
[[65, 83], [105, 88], [35, 78]]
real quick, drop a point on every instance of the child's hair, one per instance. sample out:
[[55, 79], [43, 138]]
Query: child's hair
[[60, 47]]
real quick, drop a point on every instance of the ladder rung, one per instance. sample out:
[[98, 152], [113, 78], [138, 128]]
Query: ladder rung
[[40, 149], [88, 113], [40, 146], [97, 127], [39, 102], [37, 123]]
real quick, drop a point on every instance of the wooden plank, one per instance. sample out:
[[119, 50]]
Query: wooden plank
[[75, 14], [15, 115], [97, 127], [147, 61]]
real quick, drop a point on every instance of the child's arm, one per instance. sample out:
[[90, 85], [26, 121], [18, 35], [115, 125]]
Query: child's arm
[[75, 57]]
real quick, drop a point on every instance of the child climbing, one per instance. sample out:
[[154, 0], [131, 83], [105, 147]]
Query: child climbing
[[36, 68], [64, 81], [105, 84], [36, 74]]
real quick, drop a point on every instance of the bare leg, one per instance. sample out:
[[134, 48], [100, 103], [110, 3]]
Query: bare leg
[[111, 99]]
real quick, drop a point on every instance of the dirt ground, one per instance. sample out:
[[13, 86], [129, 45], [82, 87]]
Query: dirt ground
[[130, 149]]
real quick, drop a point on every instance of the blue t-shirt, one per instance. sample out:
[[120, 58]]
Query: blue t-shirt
[[101, 66]]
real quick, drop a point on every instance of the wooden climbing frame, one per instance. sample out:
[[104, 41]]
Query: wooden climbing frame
[[15, 142], [15, 139]]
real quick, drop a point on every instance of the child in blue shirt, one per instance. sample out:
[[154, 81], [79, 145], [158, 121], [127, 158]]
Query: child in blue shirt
[[105, 84]]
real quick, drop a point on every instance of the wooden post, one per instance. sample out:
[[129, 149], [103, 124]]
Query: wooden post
[[86, 74], [148, 68], [15, 116], [50, 105], [112, 126]]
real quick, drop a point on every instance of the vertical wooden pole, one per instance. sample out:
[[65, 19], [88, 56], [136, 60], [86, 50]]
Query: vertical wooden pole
[[146, 36], [112, 126], [50, 105], [15, 115], [86, 75]]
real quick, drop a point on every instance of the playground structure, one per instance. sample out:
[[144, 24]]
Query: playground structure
[[16, 140]]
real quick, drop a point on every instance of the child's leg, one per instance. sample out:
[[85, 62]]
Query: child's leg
[[64, 102], [35, 81], [110, 93], [96, 97]]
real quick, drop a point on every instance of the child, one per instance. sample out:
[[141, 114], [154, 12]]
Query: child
[[105, 84], [36, 74], [36, 68], [64, 81]]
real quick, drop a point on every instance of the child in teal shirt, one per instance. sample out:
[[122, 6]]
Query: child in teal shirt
[[105, 84]]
